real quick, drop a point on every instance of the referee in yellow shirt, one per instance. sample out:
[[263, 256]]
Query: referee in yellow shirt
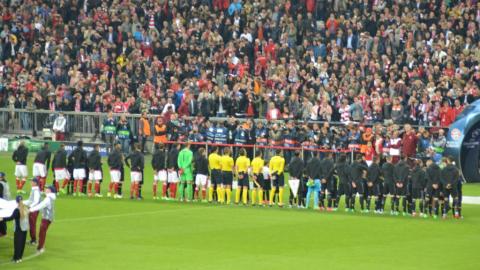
[[214, 164], [227, 166], [242, 165], [276, 166], [258, 181]]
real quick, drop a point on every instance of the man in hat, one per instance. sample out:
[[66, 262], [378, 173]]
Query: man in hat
[[47, 206], [32, 201], [20, 158]]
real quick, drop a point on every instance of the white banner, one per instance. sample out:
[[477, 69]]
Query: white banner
[[3, 144], [7, 208]]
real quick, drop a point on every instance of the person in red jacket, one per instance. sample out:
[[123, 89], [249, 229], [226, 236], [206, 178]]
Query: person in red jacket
[[410, 139], [445, 115], [456, 110]]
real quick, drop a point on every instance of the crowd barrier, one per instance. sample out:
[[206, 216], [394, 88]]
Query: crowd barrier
[[89, 124]]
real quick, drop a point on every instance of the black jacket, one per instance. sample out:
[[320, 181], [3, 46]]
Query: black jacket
[[159, 160], [450, 176], [313, 169], [327, 168], [43, 157], [357, 170], [201, 164], [115, 161], [387, 172], [172, 158], [419, 178], [94, 160], [79, 158], [137, 159], [401, 172], [295, 168], [373, 173], [20, 155], [60, 159], [342, 169], [434, 174]]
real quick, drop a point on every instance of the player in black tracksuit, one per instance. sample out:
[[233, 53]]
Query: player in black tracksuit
[[433, 187], [20, 158], [358, 172], [400, 177], [79, 158], [388, 183], [201, 167], [43, 157], [94, 164], [342, 170], [115, 163], [159, 163], [328, 169], [449, 178], [295, 169], [419, 182], [373, 185], [172, 166], [59, 162], [136, 167]]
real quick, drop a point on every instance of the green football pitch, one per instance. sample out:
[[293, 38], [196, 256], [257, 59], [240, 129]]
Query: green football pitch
[[123, 234]]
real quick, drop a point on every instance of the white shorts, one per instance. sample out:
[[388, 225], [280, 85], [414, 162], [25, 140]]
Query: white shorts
[[172, 177], [39, 170], [201, 180], [136, 176], [79, 174], [115, 176], [21, 171], [160, 176], [61, 174], [94, 175]]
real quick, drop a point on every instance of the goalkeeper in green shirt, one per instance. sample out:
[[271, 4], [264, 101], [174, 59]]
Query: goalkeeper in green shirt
[[185, 165]]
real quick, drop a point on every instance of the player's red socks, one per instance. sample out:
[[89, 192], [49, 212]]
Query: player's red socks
[[65, 183], [155, 185], [195, 194], [17, 183], [115, 188], [110, 187], [132, 189], [22, 183], [204, 194], [97, 187], [57, 185], [164, 189], [89, 187], [75, 183], [173, 190], [137, 190], [42, 183]]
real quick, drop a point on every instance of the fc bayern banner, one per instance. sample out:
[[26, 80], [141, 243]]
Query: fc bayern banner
[[88, 147]]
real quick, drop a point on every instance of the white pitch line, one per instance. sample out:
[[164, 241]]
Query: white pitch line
[[126, 215]]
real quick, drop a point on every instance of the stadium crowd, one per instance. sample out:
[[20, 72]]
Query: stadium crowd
[[366, 61]]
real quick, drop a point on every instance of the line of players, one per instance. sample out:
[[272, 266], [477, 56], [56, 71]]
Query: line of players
[[408, 182]]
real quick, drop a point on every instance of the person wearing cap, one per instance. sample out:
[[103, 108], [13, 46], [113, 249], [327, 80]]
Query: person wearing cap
[[136, 169], [20, 216], [41, 165], [79, 158], [47, 207], [32, 201], [20, 156], [185, 164]]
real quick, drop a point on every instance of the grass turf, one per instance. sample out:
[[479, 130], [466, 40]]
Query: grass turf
[[108, 234]]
